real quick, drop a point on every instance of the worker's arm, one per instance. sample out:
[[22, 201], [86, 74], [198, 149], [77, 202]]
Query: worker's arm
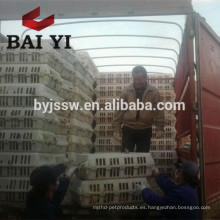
[[164, 183], [118, 115], [151, 198], [62, 189], [159, 117]]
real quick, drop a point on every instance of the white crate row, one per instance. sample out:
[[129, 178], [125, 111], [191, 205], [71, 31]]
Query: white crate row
[[105, 141], [82, 115], [164, 141], [81, 94], [67, 67], [35, 135], [167, 168], [79, 149], [61, 140], [106, 192], [49, 56], [23, 74], [62, 125], [77, 140], [11, 196], [85, 84], [105, 114], [31, 147], [32, 141], [59, 158], [114, 165], [67, 90], [79, 144], [27, 113], [28, 90], [108, 148], [27, 118], [14, 184], [103, 127], [22, 95], [22, 101], [80, 128], [168, 154], [164, 162], [85, 91], [112, 87], [26, 159], [46, 45], [76, 158], [16, 171], [87, 61]]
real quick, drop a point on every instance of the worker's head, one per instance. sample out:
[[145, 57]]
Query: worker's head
[[45, 178], [187, 172], [139, 75]]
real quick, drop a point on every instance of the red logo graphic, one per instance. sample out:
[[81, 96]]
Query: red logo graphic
[[28, 20]]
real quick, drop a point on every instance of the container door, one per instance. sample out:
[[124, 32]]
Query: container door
[[208, 91]]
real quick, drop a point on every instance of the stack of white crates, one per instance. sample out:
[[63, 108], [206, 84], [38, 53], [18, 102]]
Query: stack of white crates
[[109, 178], [28, 137], [80, 132]]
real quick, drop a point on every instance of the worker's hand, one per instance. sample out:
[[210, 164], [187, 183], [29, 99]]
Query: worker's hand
[[116, 136], [140, 187], [71, 171], [159, 134], [155, 171], [68, 163], [126, 151]]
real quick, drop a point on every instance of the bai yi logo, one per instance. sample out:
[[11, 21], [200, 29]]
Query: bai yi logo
[[28, 21]]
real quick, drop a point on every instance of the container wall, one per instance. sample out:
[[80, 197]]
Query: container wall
[[208, 56]]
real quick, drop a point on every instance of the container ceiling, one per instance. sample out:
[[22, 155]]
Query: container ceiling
[[15, 9]]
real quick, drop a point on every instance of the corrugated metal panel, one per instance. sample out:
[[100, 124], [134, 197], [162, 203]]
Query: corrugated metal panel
[[14, 9], [185, 92], [208, 52]]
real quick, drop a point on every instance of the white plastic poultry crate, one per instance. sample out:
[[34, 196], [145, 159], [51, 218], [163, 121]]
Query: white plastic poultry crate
[[114, 165], [21, 165], [24, 95], [78, 144], [74, 140], [61, 144], [67, 91], [62, 124], [14, 189], [164, 154], [27, 118], [69, 74], [16, 171], [36, 135], [26, 146], [27, 141], [26, 159], [34, 74], [79, 148], [80, 128], [80, 96], [82, 115], [106, 192], [27, 90], [108, 148]]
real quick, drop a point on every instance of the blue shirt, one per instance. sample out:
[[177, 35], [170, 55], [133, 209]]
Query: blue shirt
[[181, 199]]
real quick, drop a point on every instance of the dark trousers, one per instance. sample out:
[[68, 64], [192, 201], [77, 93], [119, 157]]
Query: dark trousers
[[140, 138]]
